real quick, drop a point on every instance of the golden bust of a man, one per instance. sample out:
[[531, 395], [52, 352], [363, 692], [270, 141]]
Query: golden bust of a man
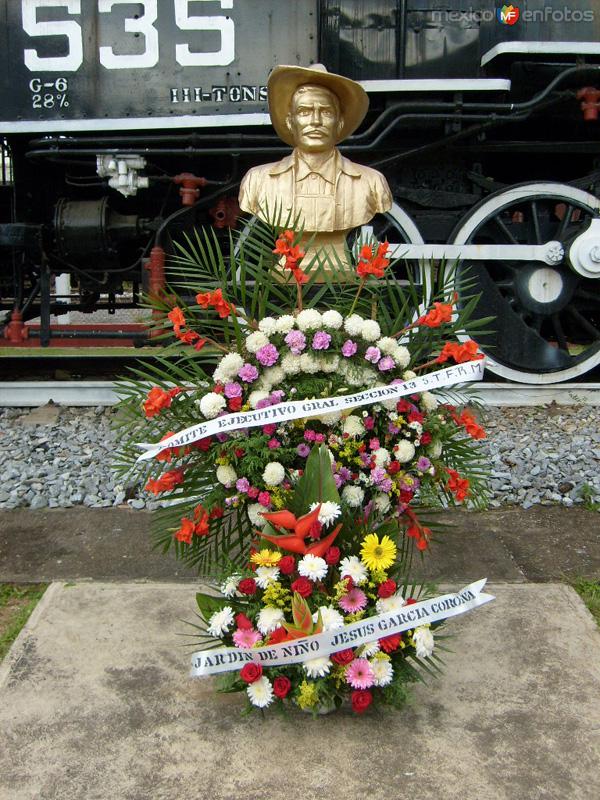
[[312, 110]]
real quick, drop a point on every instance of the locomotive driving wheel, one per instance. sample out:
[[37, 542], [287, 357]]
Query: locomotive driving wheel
[[547, 317]]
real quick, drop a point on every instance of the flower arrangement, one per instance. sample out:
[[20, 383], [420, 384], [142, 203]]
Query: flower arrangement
[[308, 517]]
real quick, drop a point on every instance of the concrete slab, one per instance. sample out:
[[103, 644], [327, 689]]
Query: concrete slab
[[95, 704]]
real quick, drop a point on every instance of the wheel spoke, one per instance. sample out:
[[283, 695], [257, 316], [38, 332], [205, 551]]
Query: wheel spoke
[[560, 334], [585, 323], [536, 222], [564, 222], [505, 230]]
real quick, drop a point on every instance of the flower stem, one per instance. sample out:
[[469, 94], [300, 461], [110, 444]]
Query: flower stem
[[358, 293]]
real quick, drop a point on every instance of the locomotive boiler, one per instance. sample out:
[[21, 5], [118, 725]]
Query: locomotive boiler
[[126, 124]]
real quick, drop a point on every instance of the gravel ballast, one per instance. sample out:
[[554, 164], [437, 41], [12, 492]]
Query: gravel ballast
[[58, 457]]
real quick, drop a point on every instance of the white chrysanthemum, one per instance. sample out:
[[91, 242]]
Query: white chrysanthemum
[[268, 326], [404, 451], [416, 426], [370, 330], [354, 568], [220, 622], [256, 396], [353, 325], [370, 649], [353, 496], [269, 619], [424, 643], [309, 364], [329, 512], [382, 503], [401, 356], [333, 319], [387, 605], [255, 341], [353, 426], [382, 457], [382, 671], [330, 419], [272, 377], [435, 449], [260, 692], [329, 364], [226, 474], [330, 617], [317, 667], [255, 517], [309, 320], [285, 323], [387, 345], [409, 375], [353, 373], [266, 575], [229, 366], [211, 404], [229, 586], [429, 401], [273, 473], [312, 567], [290, 364]]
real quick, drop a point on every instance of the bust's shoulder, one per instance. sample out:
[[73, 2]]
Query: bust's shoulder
[[371, 174]]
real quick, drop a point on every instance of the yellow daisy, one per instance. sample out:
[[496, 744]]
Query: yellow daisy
[[266, 558], [378, 554]]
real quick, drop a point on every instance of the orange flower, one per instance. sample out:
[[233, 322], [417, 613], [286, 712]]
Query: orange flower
[[459, 352], [177, 318], [283, 243], [201, 519], [471, 426], [216, 300], [368, 264], [156, 400], [203, 299], [166, 482], [440, 313], [186, 531], [284, 246], [457, 485]]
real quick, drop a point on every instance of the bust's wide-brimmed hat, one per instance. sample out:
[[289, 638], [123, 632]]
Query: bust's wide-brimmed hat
[[284, 80]]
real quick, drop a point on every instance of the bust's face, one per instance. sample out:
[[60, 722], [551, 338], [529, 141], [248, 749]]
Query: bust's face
[[314, 119]]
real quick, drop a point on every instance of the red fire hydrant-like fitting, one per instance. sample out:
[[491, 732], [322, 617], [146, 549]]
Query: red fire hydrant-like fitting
[[156, 284], [225, 212], [590, 102], [16, 331], [190, 187]]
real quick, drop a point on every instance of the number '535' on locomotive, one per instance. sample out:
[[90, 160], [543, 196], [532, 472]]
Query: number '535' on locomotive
[[124, 124]]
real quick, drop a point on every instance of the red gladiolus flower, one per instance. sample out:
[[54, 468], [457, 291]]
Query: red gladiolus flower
[[242, 621], [281, 686], [361, 700], [283, 243], [217, 301], [156, 400], [186, 531], [177, 318], [459, 352], [471, 426], [303, 586], [368, 264], [343, 657], [251, 672], [457, 485], [387, 588], [201, 516], [217, 513], [247, 586], [440, 313], [166, 482], [390, 643]]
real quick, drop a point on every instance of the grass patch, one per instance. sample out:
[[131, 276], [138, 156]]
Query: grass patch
[[589, 591], [17, 601]]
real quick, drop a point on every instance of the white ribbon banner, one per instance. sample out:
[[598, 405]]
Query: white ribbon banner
[[225, 659], [296, 409]]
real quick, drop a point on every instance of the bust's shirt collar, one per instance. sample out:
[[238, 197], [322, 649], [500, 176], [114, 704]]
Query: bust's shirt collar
[[328, 171]]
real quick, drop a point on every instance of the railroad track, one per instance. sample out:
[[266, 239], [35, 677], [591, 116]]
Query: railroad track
[[24, 394]]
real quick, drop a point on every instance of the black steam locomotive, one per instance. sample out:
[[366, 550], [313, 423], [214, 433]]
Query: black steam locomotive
[[126, 123]]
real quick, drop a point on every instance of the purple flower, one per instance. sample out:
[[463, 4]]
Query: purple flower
[[242, 485], [321, 340], [264, 403], [296, 341], [349, 348], [222, 437], [303, 450], [248, 373], [377, 474], [310, 435], [393, 429], [345, 474], [338, 481], [387, 362], [423, 464], [273, 444], [233, 390], [267, 355], [276, 396], [373, 354], [369, 423], [386, 485]]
